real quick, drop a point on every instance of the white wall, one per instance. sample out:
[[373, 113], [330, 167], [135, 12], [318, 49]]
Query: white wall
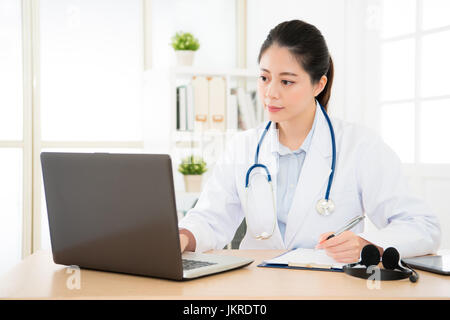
[[211, 22]]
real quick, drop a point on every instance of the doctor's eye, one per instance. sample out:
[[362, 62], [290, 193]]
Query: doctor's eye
[[287, 81]]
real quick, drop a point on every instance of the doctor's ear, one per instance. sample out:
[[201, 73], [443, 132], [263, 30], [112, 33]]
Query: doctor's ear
[[320, 85]]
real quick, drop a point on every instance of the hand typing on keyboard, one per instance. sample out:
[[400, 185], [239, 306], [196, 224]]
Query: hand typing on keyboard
[[187, 240], [184, 240]]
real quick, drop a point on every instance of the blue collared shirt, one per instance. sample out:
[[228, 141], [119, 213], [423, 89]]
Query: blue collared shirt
[[290, 165]]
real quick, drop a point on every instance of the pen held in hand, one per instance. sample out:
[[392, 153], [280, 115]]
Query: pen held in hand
[[348, 226]]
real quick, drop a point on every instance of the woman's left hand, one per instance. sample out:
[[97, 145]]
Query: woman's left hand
[[344, 248]]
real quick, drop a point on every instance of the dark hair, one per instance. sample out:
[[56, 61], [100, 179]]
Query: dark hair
[[306, 43]]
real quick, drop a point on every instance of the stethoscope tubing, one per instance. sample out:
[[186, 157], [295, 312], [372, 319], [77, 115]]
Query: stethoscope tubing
[[269, 178], [333, 147]]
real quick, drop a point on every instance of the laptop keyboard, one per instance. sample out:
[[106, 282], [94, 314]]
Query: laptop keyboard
[[193, 264]]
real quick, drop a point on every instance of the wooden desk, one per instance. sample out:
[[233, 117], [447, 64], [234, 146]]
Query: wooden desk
[[38, 277]]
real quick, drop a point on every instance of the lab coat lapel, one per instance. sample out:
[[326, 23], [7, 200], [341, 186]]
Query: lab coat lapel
[[312, 181]]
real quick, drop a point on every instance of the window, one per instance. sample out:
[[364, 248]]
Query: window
[[11, 134], [71, 78], [91, 70], [415, 95]]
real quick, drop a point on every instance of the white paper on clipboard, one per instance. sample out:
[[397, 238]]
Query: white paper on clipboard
[[309, 258]]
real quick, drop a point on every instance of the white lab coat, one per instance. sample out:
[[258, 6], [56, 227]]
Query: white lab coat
[[368, 180]]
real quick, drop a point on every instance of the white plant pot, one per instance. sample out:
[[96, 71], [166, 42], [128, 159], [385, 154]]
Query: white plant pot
[[185, 57], [193, 182]]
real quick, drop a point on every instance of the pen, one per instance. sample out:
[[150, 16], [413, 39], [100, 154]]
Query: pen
[[348, 226]]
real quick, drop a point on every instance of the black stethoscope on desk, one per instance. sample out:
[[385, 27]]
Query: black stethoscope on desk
[[324, 206]]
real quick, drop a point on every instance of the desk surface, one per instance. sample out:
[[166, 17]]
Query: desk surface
[[39, 277]]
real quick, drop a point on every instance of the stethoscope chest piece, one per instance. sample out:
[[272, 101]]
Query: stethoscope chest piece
[[325, 207]]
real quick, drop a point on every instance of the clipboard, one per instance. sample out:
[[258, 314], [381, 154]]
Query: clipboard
[[303, 259], [285, 266]]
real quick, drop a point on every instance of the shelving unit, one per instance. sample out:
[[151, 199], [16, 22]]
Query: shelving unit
[[161, 134], [161, 98], [198, 142]]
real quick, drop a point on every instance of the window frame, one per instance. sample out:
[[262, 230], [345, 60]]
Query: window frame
[[418, 99]]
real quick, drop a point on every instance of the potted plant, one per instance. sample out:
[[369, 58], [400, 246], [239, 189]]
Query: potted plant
[[185, 45], [192, 169]]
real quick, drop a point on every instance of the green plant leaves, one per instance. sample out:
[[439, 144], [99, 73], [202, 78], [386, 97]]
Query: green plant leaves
[[184, 41], [192, 165]]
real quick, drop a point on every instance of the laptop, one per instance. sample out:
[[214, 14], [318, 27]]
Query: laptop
[[117, 212]]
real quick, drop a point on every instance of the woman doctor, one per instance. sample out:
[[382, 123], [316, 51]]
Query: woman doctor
[[282, 196]]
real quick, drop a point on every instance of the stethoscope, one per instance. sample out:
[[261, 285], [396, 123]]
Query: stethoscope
[[324, 206]]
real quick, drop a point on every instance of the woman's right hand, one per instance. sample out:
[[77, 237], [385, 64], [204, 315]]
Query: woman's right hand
[[187, 240], [184, 241]]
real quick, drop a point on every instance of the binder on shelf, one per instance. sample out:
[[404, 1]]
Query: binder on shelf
[[251, 107], [182, 108], [201, 103], [190, 108], [178, 108], [232, 112], [217, 103], [246, 109], [258, 107]]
